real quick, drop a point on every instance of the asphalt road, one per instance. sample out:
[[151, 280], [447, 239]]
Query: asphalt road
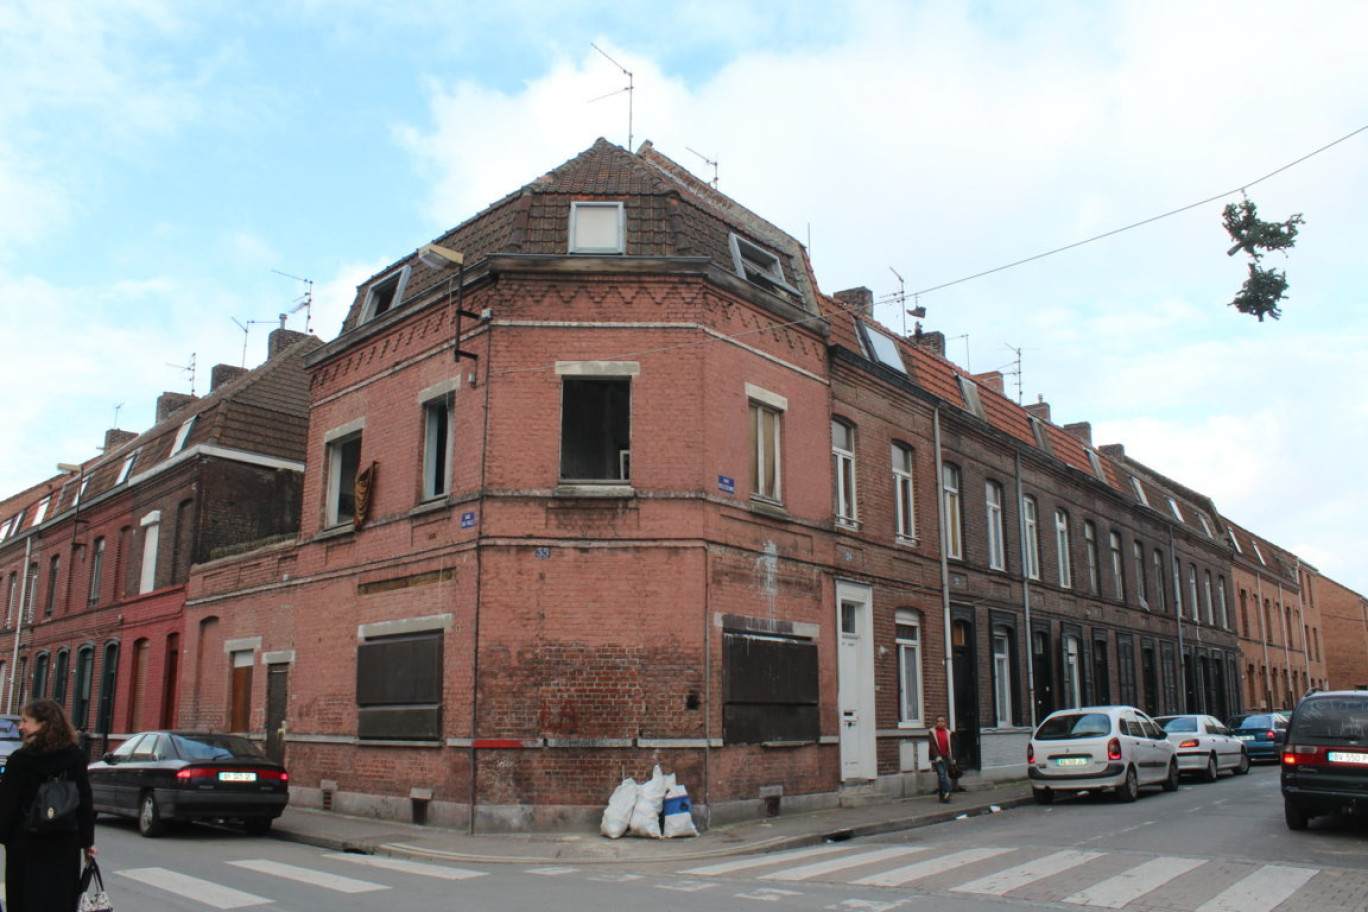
[[1210, 847]]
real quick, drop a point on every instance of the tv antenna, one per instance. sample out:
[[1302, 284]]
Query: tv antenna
[[117, 408], [1014, 368], [186, 368], [304, 302], [628, 89], [246, 328], [705, 158]]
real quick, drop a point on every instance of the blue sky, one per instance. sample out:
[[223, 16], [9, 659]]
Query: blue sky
[[161, 161]]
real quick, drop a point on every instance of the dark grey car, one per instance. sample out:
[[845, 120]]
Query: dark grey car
[[1325, 757]]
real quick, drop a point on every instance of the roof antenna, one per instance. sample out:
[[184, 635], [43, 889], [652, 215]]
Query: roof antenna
[[304, 302], [187, 368], [705, 158], [628, 90], [1015, 369], [245, 327], [118, 408]]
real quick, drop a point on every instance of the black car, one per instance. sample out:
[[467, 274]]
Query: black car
[[184, 775], [1325, 757], [10, 739], [1261, 733]]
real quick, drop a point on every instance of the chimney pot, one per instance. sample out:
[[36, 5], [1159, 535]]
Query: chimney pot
[[860, 297], [170, 403], [1080, 430], [223, 374], [1039, 409], [115, 438], [990, 379]]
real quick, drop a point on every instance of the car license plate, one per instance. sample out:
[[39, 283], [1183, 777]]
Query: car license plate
[[237, 777], [1346, 757], [1245, 737], [1071, 761]]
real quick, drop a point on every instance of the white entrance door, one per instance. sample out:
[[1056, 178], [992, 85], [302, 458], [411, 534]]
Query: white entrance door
[[855, 660]]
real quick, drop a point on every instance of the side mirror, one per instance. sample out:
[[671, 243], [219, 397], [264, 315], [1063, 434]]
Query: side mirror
[[110, 758]]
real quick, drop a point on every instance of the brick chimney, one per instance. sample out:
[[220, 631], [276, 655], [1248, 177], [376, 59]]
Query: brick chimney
[[170, 403], [1040, 409], [223, 374], [1114, 450], [933, 342], [990, 379], [860, 297], [282, 339], [1080, 430], [115, 438]]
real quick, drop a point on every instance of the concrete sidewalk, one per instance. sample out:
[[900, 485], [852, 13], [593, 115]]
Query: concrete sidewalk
[[379, 837]]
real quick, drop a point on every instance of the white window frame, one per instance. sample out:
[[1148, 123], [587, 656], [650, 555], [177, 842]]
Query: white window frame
[[881, 348], [904, 493], [758, 266], [997, 534], [1192, 592], [40, 512], [437, 446], [1118, 564], [1092, 556], [593, 227], [151, 526], [399, 278], [97, 555], [335, 444], [843, 465], [1207, 602], [1141, 572], [1030, 550], [1063, 557], [951, 511], [1222, 607], [127, 467], [910, 712], [766, 450], [1073, 671], [1002, 677]]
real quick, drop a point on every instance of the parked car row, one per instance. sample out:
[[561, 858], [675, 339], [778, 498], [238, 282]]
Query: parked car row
[[1120, 748]]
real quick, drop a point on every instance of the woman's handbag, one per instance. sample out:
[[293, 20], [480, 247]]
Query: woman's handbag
[[954, 770], [93, 895]]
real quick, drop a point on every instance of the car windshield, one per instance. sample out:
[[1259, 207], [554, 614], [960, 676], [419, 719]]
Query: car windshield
[[1074, 725], [215, 747], [1179, 724], [9, 730], [1333, 719]]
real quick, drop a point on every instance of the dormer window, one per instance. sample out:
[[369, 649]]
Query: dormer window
[[1174, 509], [1234, 540], [758, 266], [1038, 431], [41, 513], [1206, 524], [1096, 462], [1139, 490], [386, 294], [597, 228]]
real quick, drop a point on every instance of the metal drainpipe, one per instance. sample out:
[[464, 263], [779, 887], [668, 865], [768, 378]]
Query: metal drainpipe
[[19, 624], [1263, 637], [707, 688], [1178, 611], [1306, 628], [944, 570], [1026, 591], [479, 576]]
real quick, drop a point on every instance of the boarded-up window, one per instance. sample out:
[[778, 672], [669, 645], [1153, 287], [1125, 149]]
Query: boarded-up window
[[399, 688], [770, 689]]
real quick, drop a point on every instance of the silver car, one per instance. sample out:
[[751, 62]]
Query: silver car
[[1099, 747], [1205, 746]]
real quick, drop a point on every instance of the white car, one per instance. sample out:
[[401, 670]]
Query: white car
[[1205, 746], [1099, 747]]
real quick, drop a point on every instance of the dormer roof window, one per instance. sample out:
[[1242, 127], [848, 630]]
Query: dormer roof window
[[127, 467], [41, 513], [1139, 490], [386, 294], [597, 228], [969, 390], [1042, 439], [183, 434], [1175, 510], [1096, 462], [759, 267]]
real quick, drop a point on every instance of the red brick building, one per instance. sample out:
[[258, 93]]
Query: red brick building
[[1344, 632], [93, 562]]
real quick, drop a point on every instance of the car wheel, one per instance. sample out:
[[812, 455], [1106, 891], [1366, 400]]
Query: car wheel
[[1242, 768], [1043, 796], [1211, 772], [150, 823], [1171, 780], [1296, 818], [1128, 790], [257, 826]]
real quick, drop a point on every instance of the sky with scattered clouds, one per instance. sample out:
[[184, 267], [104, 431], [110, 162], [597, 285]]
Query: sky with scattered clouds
[[167, 168]]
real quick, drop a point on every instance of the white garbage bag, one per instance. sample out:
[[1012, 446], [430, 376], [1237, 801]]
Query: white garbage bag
[[618, 814], [646, 813]]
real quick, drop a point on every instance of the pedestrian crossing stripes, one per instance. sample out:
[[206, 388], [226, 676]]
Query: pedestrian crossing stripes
[[204, 891], [309, 876], [441, 872], [1256, 888]]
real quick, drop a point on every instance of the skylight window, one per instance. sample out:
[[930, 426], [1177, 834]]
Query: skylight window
[[127, 467], [1038, 429], [596, 228], [1139, 490], [1174, 509], [183, 434], [386, 294], [41, 512], [1258, 553], [1206, 524], [1096, 462], [758, 266], [1234, 540], [969, 390], [882, 348]]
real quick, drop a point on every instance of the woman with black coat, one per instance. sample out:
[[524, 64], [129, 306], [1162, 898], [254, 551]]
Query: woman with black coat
[[42, 870]]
